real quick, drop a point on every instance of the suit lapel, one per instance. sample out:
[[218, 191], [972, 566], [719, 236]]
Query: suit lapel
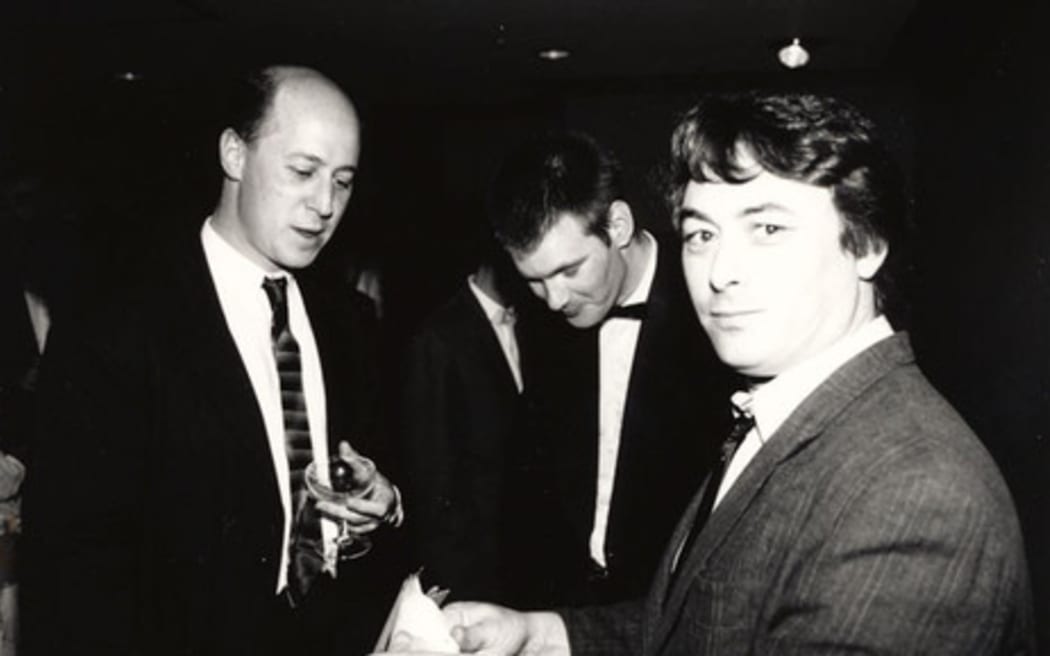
[[644, 443], [480, 333], [209, 355], [576, 410], [804, 425]]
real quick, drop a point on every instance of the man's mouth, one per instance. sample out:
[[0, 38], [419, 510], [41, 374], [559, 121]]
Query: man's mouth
[[308, 233]]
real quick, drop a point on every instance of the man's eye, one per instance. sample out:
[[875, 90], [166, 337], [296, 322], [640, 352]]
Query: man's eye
[[695, 239], [302, 173], [770, 232], [572, 271], [344, 183]]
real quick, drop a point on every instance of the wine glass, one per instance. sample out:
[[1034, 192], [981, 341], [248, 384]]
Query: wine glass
[[348, 478]]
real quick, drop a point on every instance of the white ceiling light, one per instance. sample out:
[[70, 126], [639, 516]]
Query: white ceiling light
[[553, 54], [793, 55]]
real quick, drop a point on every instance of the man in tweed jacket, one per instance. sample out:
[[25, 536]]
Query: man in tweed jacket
[[859, 514]]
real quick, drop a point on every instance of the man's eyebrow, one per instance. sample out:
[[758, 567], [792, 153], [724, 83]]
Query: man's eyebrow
[[314, 159], [568, 265], [307, 156], [763, 207], [683, 213]]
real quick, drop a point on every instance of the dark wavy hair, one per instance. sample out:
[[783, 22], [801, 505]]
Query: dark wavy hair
[[817, 140], [550, 175]]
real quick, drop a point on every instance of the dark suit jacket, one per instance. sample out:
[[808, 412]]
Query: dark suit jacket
[[154, 507], [675, 414], [460, 409], [873, 521]]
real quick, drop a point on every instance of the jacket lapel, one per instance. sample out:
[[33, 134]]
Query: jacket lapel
[[201, 339], [804, 425], [640, 444], [479, 332]]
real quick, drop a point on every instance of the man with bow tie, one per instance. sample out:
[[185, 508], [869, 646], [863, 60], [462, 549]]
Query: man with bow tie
[[626, 391], [857, 513]]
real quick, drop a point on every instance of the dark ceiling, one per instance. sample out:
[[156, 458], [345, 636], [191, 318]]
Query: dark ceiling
[[448, 50]]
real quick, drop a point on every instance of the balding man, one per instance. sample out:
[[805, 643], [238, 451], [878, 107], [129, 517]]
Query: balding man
[[168, 505]]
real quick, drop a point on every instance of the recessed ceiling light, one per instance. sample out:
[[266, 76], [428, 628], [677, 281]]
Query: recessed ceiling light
[[129, 76], [793, 55], [553, 54]]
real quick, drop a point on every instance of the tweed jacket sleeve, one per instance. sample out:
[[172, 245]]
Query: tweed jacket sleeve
[[612, 630]]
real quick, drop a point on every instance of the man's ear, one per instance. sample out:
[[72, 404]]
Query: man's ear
[[621, 224], [869, 264], [231, 153]]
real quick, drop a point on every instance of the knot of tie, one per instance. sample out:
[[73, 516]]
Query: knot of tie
[[742, 425], [743, 422], [276, 292], [631, 311]]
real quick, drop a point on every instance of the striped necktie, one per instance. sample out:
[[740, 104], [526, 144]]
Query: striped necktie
[[743, 422], [305, 557]]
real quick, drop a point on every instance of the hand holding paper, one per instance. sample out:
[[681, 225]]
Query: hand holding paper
[[477, 628], [416, 623]]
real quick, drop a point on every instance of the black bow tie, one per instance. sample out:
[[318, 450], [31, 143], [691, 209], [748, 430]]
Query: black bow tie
[[632, 311]]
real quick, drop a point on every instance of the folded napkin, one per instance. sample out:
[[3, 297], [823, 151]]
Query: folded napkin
[[418, 615]]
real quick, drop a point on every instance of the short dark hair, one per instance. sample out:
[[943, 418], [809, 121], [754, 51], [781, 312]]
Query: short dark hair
[[817, 140], [251, 96], [550, 175]]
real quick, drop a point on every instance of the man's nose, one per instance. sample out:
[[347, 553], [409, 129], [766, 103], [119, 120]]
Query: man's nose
[[323, 200], [727, 264], [556, 295]]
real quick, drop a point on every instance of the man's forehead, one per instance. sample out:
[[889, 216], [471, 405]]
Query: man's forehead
[[565, 243], [568, 231], [302, 100]]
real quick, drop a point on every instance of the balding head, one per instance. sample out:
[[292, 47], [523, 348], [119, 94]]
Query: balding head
[[252, 96], [289, 161]]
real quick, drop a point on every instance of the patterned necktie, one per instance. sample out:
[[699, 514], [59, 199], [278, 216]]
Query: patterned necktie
[[305, 557], [743, 422]]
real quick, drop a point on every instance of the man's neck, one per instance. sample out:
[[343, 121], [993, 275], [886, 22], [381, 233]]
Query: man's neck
[[636, 255]]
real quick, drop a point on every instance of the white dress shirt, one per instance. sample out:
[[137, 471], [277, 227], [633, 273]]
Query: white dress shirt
[[773, 402], [502, 320], [249, 317], [617, 341], [39, 318]]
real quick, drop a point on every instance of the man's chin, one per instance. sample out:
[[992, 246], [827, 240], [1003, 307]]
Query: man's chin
[[582, 320], [298, 259]]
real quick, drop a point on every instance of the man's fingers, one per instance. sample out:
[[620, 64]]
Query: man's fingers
[[400, 641], [347, 452]]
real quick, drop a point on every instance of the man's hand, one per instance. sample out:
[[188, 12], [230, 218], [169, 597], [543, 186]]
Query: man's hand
[[490, 630], [366, 514]]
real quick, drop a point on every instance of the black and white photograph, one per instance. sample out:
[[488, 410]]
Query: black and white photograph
[[579, 328]]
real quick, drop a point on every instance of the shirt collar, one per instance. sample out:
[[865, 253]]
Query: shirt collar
[[774, 401], [493, 310], [229, 266]]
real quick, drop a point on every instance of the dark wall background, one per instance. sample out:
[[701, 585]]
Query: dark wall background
[[983, 298], [967, 108]]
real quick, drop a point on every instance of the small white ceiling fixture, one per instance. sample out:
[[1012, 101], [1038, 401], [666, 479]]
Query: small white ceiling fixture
[[553, 54], [793, 55]]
